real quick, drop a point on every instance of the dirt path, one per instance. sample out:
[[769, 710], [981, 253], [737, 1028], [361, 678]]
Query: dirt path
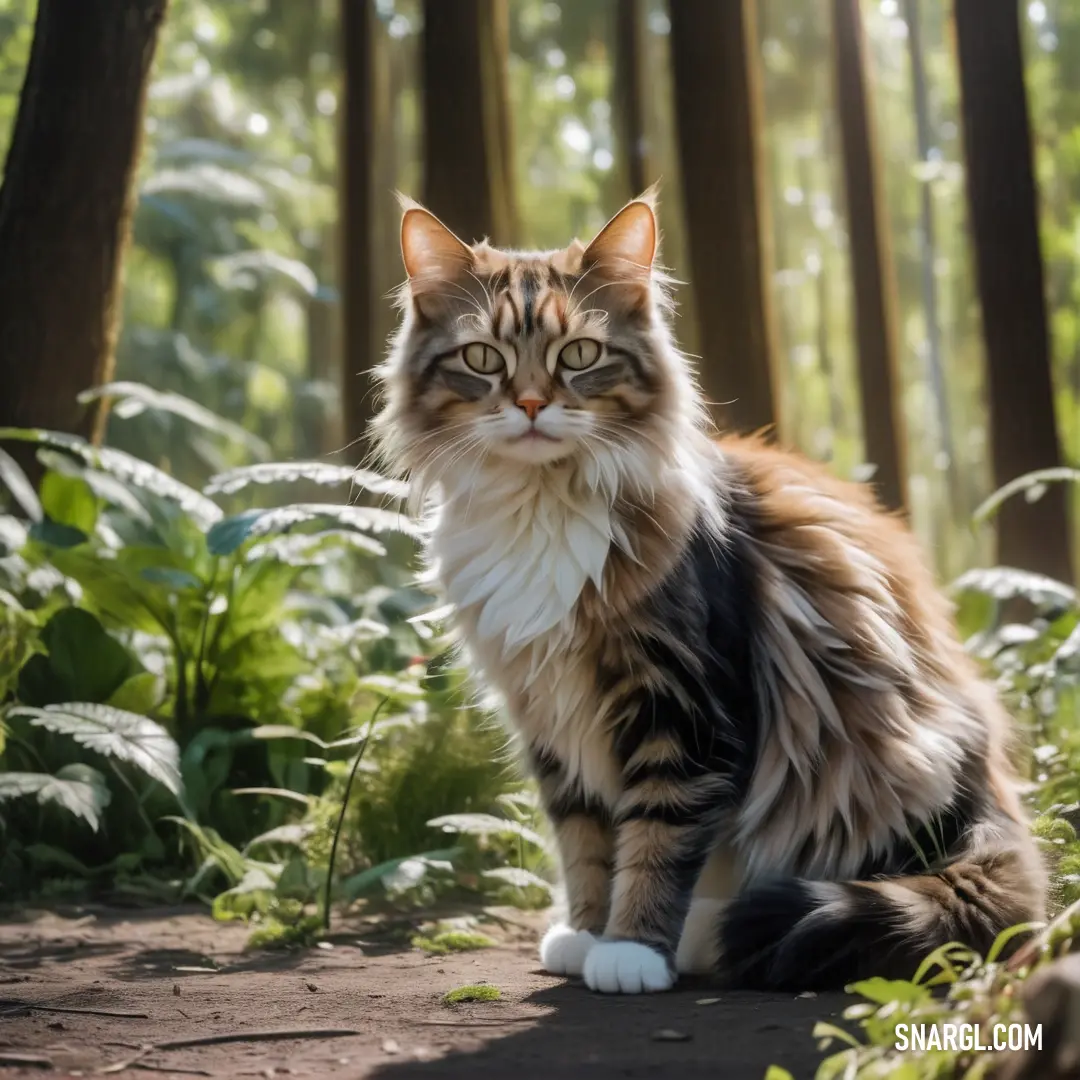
[[185, 976]]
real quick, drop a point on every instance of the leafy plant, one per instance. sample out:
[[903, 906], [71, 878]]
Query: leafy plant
[[201, 682]]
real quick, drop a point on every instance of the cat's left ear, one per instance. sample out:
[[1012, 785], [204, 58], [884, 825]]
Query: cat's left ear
[[626, 245]]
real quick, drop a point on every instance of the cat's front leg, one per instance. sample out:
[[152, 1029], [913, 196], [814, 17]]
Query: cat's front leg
[[585, 842], [663, 836]]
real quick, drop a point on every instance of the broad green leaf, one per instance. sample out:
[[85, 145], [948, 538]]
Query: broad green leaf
[[114, 733], [77, 788], [313, 472], [68, 500], [18, 483], [56, 534], [133, 398], [140, 693], [126, 468], [171, 577], [227, 535], [83, 662], [112, 588], [111, 491]]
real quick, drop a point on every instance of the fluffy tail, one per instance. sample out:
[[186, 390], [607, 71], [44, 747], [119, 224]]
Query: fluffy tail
[[814, 935]]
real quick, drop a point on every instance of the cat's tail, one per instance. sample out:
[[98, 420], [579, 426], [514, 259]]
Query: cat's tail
[[796, 934]]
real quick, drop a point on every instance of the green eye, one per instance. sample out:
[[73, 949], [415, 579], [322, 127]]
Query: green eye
[[483, 359], [581, 354]]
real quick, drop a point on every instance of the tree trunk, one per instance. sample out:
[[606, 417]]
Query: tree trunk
[[66, 206], [718, 112], [1004, 222], [924, 136], [629, 96], [359, 298], [872, 271], [468, 170]]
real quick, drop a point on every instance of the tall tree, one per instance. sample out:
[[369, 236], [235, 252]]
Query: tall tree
[[718, 113], [872, 270], [66, 206], [359, 297], [468, 165], [1003, 211], [629, 95], [928, 269]]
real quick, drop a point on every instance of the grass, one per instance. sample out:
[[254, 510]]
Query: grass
[[451, 941], [462, 994]]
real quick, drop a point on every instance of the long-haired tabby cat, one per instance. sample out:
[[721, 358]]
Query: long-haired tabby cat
[[760, 744]]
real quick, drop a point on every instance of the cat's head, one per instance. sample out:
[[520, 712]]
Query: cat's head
[[525, 360]]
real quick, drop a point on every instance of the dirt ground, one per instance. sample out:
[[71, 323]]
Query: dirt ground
[[85, 995]]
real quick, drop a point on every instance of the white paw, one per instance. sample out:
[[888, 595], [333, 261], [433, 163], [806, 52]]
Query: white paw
[[563, 949], [626, 967]]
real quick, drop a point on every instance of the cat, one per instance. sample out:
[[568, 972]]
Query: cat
[[762, 749]]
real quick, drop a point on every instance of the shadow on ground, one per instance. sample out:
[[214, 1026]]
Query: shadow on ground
[[696, 1031]]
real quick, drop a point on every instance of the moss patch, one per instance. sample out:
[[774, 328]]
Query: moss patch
[[471, 993], [452, 941]]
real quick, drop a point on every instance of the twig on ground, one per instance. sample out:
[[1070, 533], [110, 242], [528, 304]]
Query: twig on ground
[[146, 1066], [227, 1037], [482, 1021], [27, 1005], [25, 1060]]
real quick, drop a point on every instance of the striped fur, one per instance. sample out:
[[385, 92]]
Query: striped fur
[[760, 744]]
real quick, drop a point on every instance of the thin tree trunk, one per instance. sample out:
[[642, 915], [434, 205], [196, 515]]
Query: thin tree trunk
[[358, 293], [924, 138], [718, 111], [468, 170], [66, 206], [872, 270], [1004, 220], [629, 95]]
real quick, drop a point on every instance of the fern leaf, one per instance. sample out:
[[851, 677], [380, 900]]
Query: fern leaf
[[314, 472], [124, 467], [114, 733], [79, 789]]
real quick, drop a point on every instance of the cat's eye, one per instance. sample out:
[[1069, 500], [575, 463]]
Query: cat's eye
[[579, 355], [483, 359]]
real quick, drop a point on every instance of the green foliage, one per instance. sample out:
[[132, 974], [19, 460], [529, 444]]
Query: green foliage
[[186, 688], [462, 994], [449, 941]]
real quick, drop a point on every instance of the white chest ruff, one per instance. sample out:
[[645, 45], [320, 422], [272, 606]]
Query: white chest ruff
[[514, 557]]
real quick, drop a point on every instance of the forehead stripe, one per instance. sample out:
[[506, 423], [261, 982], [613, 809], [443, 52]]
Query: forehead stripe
[[528, 298]]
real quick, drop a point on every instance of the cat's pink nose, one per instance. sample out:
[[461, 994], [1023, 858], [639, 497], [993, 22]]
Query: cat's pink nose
[[531, 402]]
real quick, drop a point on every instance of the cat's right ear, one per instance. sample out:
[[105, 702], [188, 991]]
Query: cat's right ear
[[430, 251]]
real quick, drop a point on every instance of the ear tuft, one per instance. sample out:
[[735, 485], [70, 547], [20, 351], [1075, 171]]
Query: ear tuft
[[429, 249], [627, 243]]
